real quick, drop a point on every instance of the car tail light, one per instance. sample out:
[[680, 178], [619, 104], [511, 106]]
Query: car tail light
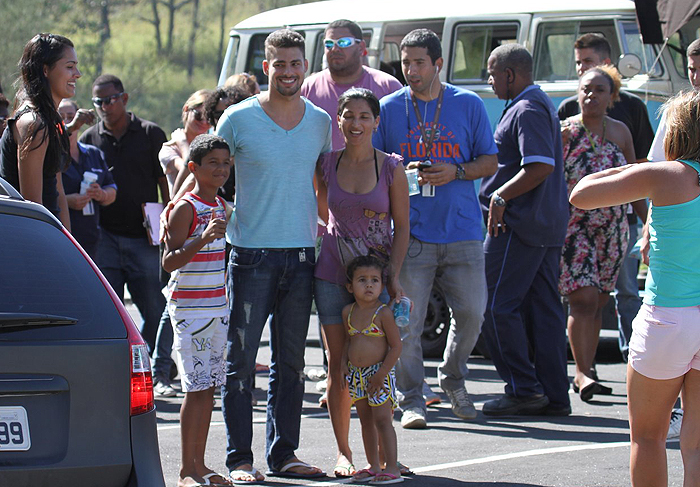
[[141, 386]]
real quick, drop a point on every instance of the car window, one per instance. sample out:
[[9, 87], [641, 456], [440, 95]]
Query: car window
[[41, 271], [554, 46], [473, 44]]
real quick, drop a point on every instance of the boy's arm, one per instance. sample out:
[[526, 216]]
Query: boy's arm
[[176, 253]]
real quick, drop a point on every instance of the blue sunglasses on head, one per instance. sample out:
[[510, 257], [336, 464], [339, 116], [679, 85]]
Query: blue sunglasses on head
[[342, 43]]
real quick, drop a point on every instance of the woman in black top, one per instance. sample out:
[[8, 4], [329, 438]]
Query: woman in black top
[[35, 146]]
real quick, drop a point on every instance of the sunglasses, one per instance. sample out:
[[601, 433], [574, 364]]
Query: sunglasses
[[198, 114], [109, 100], [343, 42]]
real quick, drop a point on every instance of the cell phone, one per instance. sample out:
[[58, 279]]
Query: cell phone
[[424, 165]]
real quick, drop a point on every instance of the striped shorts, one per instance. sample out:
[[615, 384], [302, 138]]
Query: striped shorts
[[358, 381]]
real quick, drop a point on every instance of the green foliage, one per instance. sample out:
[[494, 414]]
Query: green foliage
[[124, 43]]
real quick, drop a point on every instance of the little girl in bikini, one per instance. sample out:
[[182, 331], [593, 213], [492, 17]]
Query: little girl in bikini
[[371, 352]]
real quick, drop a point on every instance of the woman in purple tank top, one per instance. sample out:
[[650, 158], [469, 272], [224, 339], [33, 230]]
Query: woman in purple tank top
[[361, 191]]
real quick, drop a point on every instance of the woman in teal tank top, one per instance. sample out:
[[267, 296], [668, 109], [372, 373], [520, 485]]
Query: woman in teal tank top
[[665, 347]]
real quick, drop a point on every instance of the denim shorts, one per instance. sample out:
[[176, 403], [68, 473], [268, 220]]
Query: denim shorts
[[331, 298]]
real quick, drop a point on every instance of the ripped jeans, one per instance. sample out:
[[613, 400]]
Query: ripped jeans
[[264, 282]]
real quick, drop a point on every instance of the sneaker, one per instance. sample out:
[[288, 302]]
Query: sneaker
[[462, 405], [163, 389], [430, 397], [413, 418], [674, 427], [516, 406], [316, 375]]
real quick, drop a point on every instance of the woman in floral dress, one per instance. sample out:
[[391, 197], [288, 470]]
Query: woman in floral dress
[[596, 240]]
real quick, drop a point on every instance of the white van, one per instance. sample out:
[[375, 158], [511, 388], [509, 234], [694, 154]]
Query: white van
[[469, 30]]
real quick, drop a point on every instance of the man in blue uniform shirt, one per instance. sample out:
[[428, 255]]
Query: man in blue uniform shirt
[[526, 211]]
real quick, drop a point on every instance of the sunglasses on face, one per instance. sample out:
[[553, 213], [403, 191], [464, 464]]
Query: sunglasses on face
[[109, 100], [343, 42], [198, 114]]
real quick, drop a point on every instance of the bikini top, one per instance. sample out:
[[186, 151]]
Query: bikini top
[[371, 331]]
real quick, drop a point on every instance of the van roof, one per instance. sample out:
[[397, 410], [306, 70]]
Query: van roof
[[368, 11]]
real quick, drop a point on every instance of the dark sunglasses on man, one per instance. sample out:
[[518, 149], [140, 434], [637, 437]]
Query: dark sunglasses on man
[[109, 100], [343, 42]]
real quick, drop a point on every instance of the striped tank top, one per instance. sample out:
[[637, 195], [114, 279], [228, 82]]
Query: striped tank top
[[197, 289]]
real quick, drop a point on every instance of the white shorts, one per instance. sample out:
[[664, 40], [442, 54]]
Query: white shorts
[[199, 344], [665, 342]]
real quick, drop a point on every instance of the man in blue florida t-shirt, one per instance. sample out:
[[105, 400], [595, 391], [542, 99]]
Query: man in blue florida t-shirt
[[275, 138], [526, 210], [431, 121]]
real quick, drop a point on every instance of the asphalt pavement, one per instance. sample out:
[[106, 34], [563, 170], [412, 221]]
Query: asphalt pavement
[[588, 448]]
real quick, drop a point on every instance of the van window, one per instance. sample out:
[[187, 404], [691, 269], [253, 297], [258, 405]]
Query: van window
[[632, 43], [554, 51], [679, 42], [473, 44], [232, 50], [256, 55]]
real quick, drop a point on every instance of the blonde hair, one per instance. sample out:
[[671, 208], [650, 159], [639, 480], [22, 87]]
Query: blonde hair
[[682, 139], [195, 100], [609, 72], [244, 80]]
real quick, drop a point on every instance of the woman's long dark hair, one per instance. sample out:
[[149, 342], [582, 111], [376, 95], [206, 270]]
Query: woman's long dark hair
[[44, 50]]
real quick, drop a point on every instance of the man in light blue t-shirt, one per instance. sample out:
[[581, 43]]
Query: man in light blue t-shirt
[[276, 138], [429, 120]]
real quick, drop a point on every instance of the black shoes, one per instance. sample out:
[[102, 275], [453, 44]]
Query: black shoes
[[517, 406]]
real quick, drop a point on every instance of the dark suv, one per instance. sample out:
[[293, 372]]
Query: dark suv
[[76, 395]]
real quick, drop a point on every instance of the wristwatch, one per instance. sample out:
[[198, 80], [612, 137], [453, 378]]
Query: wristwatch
[[460, 174], [497, 200]]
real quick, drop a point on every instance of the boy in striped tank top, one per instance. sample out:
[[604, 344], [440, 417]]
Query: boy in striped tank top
[[196, 294]]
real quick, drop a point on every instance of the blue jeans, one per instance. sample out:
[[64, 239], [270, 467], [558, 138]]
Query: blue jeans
[[134, 262], [627, 300], [458, 268], [162, 356], [264, 281]]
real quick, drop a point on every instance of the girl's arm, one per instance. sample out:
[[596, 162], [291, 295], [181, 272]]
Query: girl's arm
[[639, 206], [386, 317], [400, 204], [624, 184], [64, 214], [321, 192], [30, 158]]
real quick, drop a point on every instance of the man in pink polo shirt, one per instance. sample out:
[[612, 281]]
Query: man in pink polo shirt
[[345, 48]]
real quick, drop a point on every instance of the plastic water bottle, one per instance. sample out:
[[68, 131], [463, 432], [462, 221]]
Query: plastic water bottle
[[88, 179], [402, 311]]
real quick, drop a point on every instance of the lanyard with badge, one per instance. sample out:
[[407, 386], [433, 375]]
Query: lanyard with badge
[[427, 141]]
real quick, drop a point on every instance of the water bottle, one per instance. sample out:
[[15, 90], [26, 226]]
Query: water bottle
[[402, 311], [88, 179]]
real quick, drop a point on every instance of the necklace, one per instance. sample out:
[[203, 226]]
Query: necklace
[[591, 141]]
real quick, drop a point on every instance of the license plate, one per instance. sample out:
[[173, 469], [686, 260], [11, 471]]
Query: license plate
[[14, 429]]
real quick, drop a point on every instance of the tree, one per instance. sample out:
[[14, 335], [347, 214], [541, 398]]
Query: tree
[[193, 38]]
